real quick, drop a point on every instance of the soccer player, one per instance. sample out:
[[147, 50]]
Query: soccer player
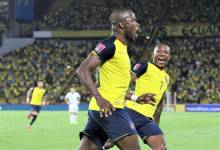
[[150, 78], [107, 116], [73, 98], [36, 98]]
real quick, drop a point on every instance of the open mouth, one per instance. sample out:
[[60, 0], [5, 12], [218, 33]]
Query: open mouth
[[137, 32], [161, 60]]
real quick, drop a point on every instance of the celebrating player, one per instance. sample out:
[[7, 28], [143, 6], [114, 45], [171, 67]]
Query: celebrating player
[[150, 78], [35, 97], [73, 98], [106, 113]]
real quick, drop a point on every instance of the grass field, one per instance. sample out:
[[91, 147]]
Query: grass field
[[52, 131]]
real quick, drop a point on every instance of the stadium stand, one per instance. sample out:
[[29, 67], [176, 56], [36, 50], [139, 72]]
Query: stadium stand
[[194, 66], [194, 69], [51, 60], [149, 12]]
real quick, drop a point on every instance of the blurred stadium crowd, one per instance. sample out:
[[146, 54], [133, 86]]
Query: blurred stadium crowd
[[194, 67], [53, 61], [148, 12]]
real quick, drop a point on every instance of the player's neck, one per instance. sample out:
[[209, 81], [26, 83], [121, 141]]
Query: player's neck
[[161, 68], [120, 37]]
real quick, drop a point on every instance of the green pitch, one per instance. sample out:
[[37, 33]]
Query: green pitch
[[52, 131]]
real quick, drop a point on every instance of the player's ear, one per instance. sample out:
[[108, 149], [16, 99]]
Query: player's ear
[[121, 26]]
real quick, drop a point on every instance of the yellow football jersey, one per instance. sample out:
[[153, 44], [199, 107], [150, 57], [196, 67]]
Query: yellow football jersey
[[150, 79], [37, 96], [114, 72]]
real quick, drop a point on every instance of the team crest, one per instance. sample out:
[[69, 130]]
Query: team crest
[[99, 48], [136, 67]]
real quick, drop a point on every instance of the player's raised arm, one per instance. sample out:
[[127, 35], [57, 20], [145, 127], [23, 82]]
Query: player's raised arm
[[84, 73], [28, 97]]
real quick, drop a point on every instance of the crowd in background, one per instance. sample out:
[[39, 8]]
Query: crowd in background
[[53, 61], [194, 68], [149, 12]]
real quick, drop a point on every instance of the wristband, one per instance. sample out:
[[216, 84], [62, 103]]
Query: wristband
[[134, 98]]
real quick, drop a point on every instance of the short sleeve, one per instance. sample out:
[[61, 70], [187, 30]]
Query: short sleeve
[[140, 68], [105, 50], [67, 96]]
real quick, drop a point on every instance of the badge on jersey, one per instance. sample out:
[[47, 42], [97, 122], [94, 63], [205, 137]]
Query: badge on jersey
[[99, 48], [136, 67]]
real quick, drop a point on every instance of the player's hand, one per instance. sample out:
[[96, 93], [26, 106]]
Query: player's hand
[[147, 98], [106, 108]]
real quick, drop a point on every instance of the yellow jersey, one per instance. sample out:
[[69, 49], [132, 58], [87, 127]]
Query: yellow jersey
[[37, 96], [150, 79], [113, 73]]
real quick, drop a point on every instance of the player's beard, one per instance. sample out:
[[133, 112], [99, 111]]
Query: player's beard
[[131, 37]]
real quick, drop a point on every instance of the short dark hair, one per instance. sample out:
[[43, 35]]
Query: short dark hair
[[116, 16]]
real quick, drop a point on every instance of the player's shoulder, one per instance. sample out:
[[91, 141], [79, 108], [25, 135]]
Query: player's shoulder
[[67, 94], [105, 49], [152, 64], [166, 74], [107, 43], [77, 93], [140, 65]]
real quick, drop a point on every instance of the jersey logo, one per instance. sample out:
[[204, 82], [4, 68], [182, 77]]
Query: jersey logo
[[136, 67], [99, 48]]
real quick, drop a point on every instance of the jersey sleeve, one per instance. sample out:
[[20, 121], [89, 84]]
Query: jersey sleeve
[[66, 96], [140, 68], [104, 51]]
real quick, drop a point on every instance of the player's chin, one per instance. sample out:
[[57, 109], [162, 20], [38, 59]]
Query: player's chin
[[161, 65]]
